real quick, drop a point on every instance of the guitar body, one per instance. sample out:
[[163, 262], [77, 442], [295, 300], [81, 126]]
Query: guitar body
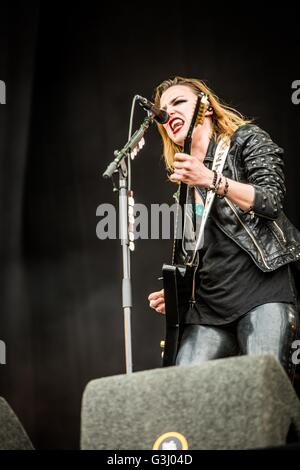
[[178, 281]]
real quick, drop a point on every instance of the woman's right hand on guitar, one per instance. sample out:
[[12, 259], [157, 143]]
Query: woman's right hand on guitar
[[157, 301]]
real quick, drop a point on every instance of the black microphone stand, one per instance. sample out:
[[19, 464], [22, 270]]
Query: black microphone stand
[[126, 229]]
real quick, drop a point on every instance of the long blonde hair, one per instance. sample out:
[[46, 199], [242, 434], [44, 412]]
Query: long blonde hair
[[225, 119]]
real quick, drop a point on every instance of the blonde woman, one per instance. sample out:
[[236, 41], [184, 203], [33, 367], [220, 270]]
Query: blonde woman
[[246, 298]]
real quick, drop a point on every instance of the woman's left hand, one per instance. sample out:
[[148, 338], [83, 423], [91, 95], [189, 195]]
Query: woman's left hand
[[190, 170]]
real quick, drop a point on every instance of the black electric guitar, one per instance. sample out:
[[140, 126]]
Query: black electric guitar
[[178, 279]]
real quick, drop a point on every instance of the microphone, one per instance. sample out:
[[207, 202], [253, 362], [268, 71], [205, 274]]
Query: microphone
[[160, 115]]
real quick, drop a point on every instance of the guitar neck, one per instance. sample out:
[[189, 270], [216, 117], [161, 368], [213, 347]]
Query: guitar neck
[[183, 187]]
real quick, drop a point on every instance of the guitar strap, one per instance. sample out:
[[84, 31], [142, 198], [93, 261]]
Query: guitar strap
[[218, 165]]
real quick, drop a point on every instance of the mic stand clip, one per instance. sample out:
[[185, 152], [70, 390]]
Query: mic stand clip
[[132, 146]]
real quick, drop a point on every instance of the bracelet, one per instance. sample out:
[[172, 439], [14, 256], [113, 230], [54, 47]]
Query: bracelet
[[221, 196], [226, 187], [219, 182], [213, 185]]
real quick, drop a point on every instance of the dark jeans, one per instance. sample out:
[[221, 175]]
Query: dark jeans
[[267, 329]]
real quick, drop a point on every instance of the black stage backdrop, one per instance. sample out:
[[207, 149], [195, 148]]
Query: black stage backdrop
[[71, 73]]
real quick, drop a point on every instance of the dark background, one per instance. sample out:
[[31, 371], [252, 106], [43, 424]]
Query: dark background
[[71, 73]]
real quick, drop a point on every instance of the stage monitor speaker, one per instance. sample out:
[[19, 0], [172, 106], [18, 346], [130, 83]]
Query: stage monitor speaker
[[244, 402], [12, 433]]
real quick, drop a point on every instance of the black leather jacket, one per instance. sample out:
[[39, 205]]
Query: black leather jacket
[[265, 232]]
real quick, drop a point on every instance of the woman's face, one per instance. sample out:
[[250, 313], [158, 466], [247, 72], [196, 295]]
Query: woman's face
[[179, 101]]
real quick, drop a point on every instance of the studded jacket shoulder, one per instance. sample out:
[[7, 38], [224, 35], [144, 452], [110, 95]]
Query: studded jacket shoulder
[[265, 232]]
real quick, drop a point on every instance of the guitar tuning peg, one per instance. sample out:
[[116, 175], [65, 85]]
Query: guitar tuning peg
[[130, 211], [131, 201], [131, 246], [133, 153], [141, 143]]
